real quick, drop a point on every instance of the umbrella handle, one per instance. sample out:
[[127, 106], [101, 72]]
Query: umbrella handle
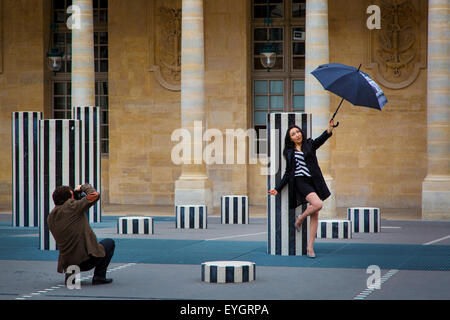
[[339, 106], [336, 113]]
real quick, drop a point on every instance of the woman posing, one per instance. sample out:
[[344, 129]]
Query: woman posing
[[306, 182]]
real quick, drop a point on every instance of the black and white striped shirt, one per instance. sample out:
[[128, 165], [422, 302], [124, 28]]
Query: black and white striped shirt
[[300, 165]]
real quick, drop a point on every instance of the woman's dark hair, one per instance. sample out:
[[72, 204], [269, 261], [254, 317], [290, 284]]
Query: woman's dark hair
[[288, 143], [61, 195]]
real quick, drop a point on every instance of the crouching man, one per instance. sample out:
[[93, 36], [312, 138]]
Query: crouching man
[[74, 237]]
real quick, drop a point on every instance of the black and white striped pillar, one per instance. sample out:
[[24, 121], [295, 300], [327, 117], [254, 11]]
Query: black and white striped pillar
[[59, 164], [191, 216], [228, 271], [135, 225], [334, 229], [365, 219], [234, 209], [25, 168], [283, 239], [90, 151]]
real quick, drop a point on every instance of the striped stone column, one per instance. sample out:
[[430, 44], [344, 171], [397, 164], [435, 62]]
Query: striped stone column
[[365, 219], [83, 71], [334, 229], [282, 238], [90, 152], [59, 164], [234, 209], [193, 186], [135, 225], [317, 99], [25, 168], [436, 185], [191, 217], [228, 271]]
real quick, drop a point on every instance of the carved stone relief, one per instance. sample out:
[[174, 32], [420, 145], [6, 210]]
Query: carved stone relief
[[165, 43], [397, 51]]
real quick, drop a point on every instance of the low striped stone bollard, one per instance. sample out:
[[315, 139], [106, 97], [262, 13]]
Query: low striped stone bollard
[[234, 209], [135, 225], [191, 217], [228, 271], [334, 229], [364, 219]]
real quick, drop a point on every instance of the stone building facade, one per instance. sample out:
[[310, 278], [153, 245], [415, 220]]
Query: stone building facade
[[151, 81]]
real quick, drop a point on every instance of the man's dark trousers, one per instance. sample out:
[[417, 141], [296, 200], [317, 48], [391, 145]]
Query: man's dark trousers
[[100, 264]]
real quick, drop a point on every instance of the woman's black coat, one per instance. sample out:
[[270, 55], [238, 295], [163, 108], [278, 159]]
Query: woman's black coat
[[309, 148]]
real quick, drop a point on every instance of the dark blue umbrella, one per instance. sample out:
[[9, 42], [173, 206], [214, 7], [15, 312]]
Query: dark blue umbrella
[[350, 84]]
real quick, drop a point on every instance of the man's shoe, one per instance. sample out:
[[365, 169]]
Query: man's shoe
[[96, 281]]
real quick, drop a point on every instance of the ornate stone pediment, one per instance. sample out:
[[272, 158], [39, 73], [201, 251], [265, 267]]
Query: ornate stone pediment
[[397, 51], [165, 44]]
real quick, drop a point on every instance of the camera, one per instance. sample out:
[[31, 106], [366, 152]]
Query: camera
[[78, 194]]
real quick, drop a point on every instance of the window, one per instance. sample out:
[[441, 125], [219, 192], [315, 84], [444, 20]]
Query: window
[[100, 11], [101, 51], [61, 80], [298, 48], [281, 23], [272, 9], [298, 8], [268, 97], [62, 108], [261, 37], [63, 41], [101, 99], [298, 95]]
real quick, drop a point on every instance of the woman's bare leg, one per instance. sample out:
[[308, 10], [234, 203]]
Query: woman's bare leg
[[315, 205], [313, 224]]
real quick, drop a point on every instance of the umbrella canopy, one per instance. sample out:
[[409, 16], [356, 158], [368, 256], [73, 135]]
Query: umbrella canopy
[[350, 84]]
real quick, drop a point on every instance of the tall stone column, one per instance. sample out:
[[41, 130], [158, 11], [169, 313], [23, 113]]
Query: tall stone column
[[436, 185], [83, 72], [193, 186], [282, 238], [317, 99]]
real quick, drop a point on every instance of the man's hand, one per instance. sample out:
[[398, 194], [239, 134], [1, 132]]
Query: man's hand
[[78, 188], [92, 197]]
